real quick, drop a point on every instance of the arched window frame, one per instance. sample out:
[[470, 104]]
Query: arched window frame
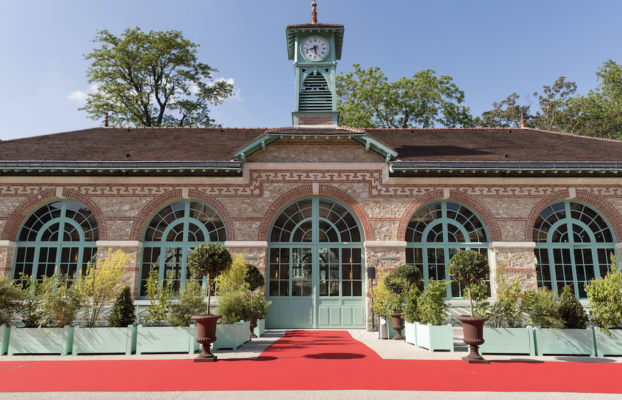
[[41, 257], [425, 255], [177, 250], [575, 259]]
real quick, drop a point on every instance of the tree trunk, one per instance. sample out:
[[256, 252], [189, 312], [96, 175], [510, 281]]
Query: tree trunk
[[471, 301], [209, 295]]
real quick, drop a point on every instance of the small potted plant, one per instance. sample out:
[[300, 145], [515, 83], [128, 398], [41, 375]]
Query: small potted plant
[[432, 309], [470, 268], [208, 259], [232, 292], [254, 279], [400, 283]]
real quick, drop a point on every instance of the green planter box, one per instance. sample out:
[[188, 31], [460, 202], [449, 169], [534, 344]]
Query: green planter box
[[508, 341], [608, 345], [231, 336], [260, 329], [104, 340], [410, 333], [5, 333], [247, 330], [434, 337], [565, 341], [41, 341], [166, 339]]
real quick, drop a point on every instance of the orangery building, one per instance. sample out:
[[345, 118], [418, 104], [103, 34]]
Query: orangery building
[[316, 206]]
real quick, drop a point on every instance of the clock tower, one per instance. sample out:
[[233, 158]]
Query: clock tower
[[315, 49]]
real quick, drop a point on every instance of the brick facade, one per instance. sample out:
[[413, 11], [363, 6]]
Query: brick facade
[[311, 120]]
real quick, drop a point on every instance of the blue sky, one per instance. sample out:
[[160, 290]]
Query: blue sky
[[490, 48]]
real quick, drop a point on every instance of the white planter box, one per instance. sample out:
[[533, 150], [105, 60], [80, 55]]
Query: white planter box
[[5, 332], [565, 342], [608, 345], [247, 330], [41, 341], [508, 341], [434, 337], [410, 333], [260, 329], [166, 339], [231, 336], [104, 340]]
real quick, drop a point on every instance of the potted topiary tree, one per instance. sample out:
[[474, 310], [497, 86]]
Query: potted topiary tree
[[469, 268], [400, 283], [208, 259], [255, 280]]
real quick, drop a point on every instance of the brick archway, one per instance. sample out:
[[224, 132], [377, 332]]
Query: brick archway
[[492, 227], [33, 202], [143, 217], [601, 205], [307, 190]]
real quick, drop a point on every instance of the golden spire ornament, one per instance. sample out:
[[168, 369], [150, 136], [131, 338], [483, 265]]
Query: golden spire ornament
[[314, 13]]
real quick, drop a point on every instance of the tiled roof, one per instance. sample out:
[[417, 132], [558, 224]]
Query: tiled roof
[[219, 144]]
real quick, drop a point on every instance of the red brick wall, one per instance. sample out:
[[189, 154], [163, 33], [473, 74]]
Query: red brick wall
[[308, 120]]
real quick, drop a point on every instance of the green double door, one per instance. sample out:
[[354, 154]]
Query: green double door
[[316, 286]]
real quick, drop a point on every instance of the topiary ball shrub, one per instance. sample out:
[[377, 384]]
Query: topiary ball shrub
[[209, 259], [123, 312], [468, 267], [253, 277], [571, 311]]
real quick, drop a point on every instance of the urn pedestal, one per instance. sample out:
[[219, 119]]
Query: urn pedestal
[[473, 328], [206, 335]]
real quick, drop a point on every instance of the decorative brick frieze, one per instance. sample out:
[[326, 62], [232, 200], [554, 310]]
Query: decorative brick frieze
[[315, 120]]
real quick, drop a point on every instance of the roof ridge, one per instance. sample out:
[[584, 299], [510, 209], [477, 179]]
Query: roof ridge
[[574, 135], [49, 134]]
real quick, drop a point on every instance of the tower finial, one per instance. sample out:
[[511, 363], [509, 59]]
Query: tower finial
[[314, 13]]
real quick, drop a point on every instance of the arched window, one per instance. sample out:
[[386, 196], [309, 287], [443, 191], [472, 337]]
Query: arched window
[[573, 245], [436, 232], [172, 234], [59, 235]]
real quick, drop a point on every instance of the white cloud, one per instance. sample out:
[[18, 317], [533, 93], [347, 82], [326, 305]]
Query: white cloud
[[81, 96]]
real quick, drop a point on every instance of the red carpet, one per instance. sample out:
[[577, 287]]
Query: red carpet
[[310, 360]]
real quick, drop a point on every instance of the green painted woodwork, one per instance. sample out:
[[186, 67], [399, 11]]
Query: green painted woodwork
[[231, 336], [166, 339], [260, 329], [434, 337], [608, 345], [436, 232], [173, 232], [104, 340], [58, 235], [565, 342], [315, 270], [5, 333], [508, 341], [410, 333], [41, 341], [292, 39], [573, 245]]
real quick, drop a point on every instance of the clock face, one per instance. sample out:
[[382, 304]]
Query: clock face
[[315, 48]]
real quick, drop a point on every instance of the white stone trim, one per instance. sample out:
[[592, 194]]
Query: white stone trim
[[316, 188], [619, 246], [7, 243], [572, 193], [512, 245], [119, 243], [59, 191], [446, 192], [369, 244], [184, 192], [236, 243]]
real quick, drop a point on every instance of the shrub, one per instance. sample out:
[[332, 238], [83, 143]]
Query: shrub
[[380, 296], [123, 312], [159, 294], [479, 297], [30, 302], [59, 301], [506, 311], [605, 297], [432, 306], [260, 305], [232, 306], [10, 305], [468, 267], [99, 284], [253, 277], [542, 307], [232, 288], [191, 302], [571, 311], [411, 310], [209, 259]]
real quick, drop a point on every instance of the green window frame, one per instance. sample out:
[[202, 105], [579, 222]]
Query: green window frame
[[573, 246], [58, 236], [172, 233], [438, 230]]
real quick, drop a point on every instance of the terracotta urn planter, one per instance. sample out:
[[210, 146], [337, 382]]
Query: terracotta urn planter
[[398, 325], [473, 328], [206, 335], [254, 323]]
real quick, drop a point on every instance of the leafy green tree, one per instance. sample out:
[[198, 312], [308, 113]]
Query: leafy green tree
[[366, 99], [253, 277], [605, 296], [470, 268], [209, 259], [571, 311], [507, 309], [542, 307], [159, 295], [191, 302], [10, 305], [507, 114], [432, 306], [151, 79], [123, 312], [552, 102]]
